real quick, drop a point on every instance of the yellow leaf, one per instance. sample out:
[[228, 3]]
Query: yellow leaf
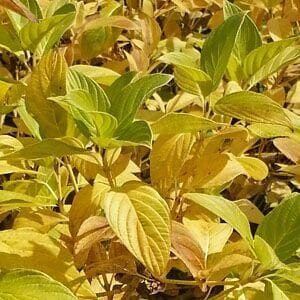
[[279, 28], [141, 220], [187, 249], [24, 248], [86, 204]]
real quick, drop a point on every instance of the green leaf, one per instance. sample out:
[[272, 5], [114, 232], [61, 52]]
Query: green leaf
[[137, 133], [25, 248], [192, 80], [175, 123], [132, 96], [56, 147], [78, 81], [225, 209], [23, 284], [218, 47], [248, 37], [46, 33], [48, 79], [291, 272], [252, 107], [8, 40], [266, 254], [141, 219], [254, 167], [281, 227], [269, 130]]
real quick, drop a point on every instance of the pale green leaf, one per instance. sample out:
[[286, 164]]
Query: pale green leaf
[[24, 284], [225, 209], [274, 292], [192, 80], [140, 218], [254, 167], [282, 59], [285, 240], [252, 107], [266, 254], [79, 81], [11, 200], [56, 147], [101, 75], [175, 123]]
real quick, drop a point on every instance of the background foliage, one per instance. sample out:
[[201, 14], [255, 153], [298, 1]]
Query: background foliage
[[149, 149]]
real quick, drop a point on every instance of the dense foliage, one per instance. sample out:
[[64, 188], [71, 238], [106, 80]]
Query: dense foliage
[[149, 149]]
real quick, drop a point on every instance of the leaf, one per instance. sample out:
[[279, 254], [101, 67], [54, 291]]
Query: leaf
[[254, 167], [285, 240], [12, 200], [101, 75], [8, 40], [289, 147], [269, 130], [179, 59], [48, 79], [78, 81], [46, 33], [48, 147], [132, 96], [29, 121], [40, 219], [167, 158], [268, 59], [248, 37], [84, 110], [187, 248], [252, 107], [225, 209], [24, 248], [266, 255], [86, 203], [25, 284], [96, 37], [192, 80], [284, 58], [251, 211], [19, 8], [274, 290], [209, 234], [92, 230], [218, 47], [176, 123], [148, 236], [279, 28], [137, 133]]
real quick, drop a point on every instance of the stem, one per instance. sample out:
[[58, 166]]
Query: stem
[[108, 172], [71, 173]]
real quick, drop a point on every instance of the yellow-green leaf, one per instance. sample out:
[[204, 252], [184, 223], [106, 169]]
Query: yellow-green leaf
[[141, 219]]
